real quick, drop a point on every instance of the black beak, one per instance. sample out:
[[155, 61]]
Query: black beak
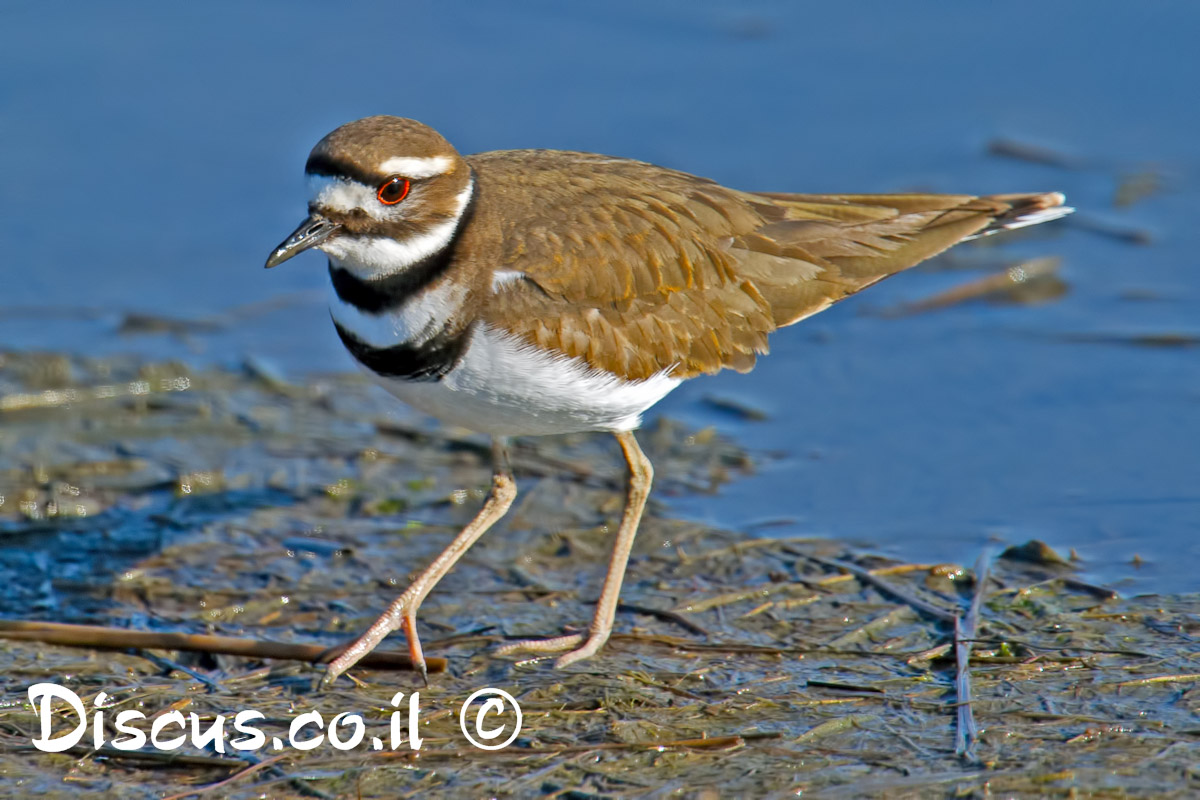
[[311, 233]]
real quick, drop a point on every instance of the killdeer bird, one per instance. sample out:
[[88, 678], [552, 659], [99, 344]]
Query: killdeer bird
[[528, 292]]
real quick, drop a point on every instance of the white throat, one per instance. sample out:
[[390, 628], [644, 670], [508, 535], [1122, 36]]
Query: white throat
[[374, 257]]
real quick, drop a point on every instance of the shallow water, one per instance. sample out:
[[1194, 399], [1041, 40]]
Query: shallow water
[[153, 157]]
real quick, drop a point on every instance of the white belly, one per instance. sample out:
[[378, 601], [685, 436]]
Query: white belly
[[504, 387]]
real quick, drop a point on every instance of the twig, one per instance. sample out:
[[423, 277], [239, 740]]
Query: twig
[[1103, 592], [1033, 273], [666, 616], [159, 757], [752, 593], [529, 753], [1033, 153], [966, 733], [1113, 230], [872, 627], [300, 785], [845, 687], [169, 665], [748, 649], [249, 770], [895, 591], [103, 638], [834, 726], [1160, 679]]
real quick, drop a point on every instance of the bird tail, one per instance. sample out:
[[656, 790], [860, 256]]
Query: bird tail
[[1025, 210]]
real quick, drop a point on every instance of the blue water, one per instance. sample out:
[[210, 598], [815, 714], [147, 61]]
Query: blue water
[[152, 156]]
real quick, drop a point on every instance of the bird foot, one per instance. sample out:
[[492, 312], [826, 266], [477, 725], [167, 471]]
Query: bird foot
[[398, 616], [557, 644]]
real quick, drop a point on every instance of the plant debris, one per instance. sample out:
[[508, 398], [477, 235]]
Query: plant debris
[[219, 504]]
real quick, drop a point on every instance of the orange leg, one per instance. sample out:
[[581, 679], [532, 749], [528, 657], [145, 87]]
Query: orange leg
[[402, 613], [641, 473]]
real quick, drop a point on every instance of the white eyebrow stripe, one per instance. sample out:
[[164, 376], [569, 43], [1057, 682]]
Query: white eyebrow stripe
[[414, 167], [340, 194]]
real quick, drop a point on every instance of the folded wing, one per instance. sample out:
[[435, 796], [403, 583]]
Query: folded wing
[[660, 271]]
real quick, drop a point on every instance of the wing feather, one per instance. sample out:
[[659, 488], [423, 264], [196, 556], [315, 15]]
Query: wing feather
[[639, 269]]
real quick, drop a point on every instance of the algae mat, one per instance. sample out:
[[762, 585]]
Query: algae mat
[[150, 498]]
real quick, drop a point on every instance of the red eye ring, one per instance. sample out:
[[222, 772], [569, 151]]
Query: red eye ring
[[393, 190]]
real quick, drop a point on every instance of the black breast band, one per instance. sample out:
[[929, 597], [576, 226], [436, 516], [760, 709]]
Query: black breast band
[[428, 361]]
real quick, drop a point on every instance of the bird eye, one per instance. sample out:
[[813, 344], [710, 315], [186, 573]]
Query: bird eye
[[393, 190]]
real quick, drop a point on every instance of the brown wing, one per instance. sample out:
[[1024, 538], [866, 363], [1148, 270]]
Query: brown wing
[[638, 269]]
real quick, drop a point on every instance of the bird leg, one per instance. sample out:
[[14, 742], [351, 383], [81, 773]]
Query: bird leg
[[641, 473], [402, 613]]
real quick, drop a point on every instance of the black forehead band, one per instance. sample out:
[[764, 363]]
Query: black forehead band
[[322, 164]]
